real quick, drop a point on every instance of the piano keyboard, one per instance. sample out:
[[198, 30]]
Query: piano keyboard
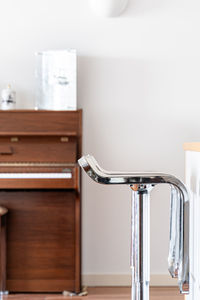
[[35, 175]]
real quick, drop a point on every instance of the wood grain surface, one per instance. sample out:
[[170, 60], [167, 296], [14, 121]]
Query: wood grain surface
[[28, 122], [169, 293], [192, 146], [38, 149], [40, 239]]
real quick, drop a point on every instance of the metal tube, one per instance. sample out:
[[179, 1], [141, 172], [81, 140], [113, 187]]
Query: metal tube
[[140, 244]]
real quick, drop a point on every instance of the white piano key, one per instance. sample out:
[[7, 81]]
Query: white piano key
[[35, 175]]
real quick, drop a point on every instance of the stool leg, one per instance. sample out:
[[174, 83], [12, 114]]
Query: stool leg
[[140, 244], [3, 255]]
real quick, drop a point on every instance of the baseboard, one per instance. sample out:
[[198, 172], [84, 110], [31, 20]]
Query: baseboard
[[125, 280]]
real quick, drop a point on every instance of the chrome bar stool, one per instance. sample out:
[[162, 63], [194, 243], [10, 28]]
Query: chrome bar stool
[[141, 185]]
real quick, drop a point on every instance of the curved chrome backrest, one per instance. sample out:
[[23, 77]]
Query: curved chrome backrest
[[179, 220]]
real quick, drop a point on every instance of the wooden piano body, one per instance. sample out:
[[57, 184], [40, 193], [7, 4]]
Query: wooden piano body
[[40, 187]]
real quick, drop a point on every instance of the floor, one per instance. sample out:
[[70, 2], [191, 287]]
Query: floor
[[107, 293]]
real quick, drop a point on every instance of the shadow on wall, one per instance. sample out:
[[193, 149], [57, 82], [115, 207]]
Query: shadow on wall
[[138, 7]]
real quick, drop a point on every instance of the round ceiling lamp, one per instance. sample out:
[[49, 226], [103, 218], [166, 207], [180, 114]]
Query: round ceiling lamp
[[108, 8]]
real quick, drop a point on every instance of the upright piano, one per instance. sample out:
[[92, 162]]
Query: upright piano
[[40, 190]]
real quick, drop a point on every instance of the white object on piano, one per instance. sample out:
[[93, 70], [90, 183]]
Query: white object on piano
[[56, 74], [35, 175]]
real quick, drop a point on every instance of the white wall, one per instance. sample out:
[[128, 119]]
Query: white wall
[[139, 87]]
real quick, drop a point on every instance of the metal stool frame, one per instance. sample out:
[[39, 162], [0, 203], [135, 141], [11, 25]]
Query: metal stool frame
[[141, 184]]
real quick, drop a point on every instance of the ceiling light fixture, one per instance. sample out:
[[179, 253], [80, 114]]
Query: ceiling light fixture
[[108, 8]]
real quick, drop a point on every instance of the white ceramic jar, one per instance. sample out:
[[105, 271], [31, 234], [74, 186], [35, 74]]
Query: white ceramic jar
[[8, 98]]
